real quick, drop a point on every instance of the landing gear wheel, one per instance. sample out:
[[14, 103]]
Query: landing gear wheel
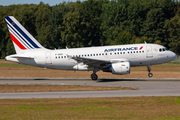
[[149, 70], [150, 74], [94, 77]]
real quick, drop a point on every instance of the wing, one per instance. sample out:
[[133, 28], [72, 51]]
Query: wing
[[89, 61], [98, 63]]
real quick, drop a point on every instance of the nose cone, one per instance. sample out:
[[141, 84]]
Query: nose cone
[[172, 56]]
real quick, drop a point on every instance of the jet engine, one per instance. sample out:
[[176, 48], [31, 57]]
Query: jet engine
[[119, 68]]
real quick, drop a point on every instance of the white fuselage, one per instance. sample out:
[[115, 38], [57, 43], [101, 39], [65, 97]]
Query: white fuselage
[[136, 54]]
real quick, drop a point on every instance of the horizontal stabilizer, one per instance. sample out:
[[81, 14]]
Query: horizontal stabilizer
[[20, 56]]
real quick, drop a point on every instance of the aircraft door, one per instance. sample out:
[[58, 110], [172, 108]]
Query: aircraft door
[[149, 53], [48, 58]]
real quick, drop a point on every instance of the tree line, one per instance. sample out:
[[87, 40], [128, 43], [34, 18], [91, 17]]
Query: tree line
[[96, 23]]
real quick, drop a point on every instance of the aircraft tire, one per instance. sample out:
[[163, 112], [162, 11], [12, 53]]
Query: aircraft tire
[[94, 77], [150, 74]]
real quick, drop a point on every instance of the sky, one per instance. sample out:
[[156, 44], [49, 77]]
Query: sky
[[50, 2]]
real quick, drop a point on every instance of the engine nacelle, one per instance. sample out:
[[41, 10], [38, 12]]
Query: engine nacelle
[[119, 68]]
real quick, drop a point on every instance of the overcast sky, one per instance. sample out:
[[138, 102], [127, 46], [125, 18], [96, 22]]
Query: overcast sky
[[50, 2]]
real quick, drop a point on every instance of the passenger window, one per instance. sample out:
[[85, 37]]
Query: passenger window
[[139, 51], [131, 51], [128, 52], [99, 54], [61, 56], [120, 52], [117, 52], [64, 56], [106, 53], [160, 50], [110, 53], [88, 54], [163, 49], [123, 52], [142, 51], [96, 54], [136, 51], [102, 53], [85, 55]]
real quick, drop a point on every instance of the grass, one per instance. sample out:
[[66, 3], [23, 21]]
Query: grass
[[50, 88], [126, 108]]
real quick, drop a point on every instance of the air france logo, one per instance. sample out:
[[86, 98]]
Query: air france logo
[[141, 48], [123, 49]]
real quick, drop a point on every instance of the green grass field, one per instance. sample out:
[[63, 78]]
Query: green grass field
[[126, 108]]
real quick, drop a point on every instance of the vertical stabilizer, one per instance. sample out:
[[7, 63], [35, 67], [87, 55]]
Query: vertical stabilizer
[[22, 39]]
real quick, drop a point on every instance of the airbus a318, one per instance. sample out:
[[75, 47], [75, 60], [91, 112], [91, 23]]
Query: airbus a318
[[117, 59]]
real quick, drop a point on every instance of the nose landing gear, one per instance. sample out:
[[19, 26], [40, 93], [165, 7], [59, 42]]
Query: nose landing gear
[[149, 70]]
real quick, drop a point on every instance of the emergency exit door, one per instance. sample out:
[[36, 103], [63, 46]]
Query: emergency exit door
[[48, 58], [149, 52]]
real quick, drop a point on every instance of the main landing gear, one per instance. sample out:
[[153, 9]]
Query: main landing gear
[[149, 70], [93, 75]]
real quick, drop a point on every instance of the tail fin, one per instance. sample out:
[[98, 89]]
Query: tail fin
[[22, 39]]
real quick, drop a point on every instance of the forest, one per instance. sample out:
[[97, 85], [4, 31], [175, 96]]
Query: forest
[[96, 23]]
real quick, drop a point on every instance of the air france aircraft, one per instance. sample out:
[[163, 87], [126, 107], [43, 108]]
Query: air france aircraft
[[117, 59]]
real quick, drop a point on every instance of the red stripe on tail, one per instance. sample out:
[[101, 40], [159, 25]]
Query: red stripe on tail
[[17, 42]]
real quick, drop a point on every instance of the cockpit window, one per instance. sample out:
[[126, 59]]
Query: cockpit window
[[163, 49]]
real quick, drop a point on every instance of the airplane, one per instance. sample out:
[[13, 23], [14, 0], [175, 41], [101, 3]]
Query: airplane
[[117, 59]]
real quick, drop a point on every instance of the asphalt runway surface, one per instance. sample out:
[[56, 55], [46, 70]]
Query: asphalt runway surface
[[147, 87]]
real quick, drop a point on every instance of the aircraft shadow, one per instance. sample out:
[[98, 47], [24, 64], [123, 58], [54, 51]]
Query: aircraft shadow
[[116, 80], [41, 79], [126, 79]]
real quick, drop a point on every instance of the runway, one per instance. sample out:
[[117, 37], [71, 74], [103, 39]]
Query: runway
[[147, 87]]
